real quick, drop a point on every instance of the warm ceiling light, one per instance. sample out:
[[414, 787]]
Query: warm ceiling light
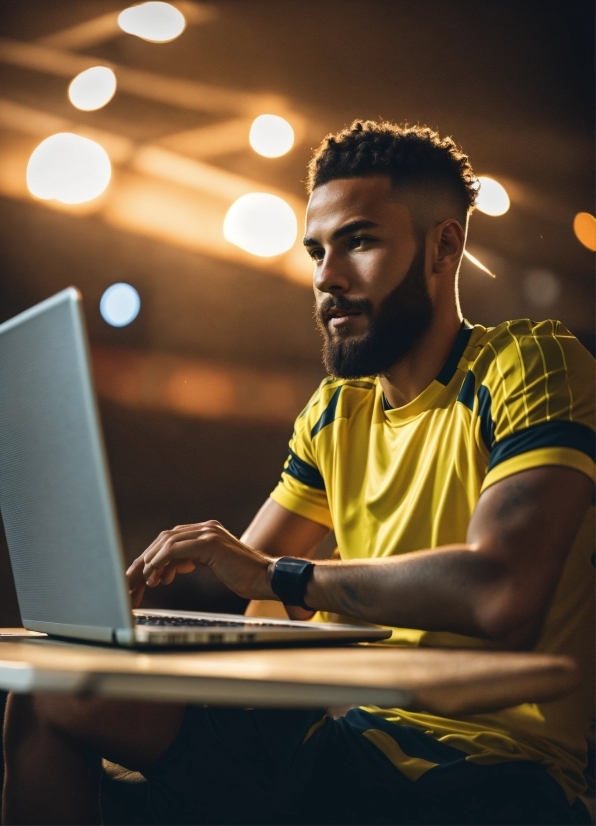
[[69, 168], [261, 224], [584, 226], [271, 136], [92, 88], [120, 304], [492, 197], [156, 22]]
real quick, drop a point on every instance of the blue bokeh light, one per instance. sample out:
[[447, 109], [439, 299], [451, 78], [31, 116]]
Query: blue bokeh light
[[120, 304]]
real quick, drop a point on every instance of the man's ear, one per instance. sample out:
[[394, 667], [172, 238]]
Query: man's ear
[[448, 240]]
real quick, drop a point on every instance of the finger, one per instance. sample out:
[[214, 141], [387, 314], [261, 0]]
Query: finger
[[157, 543], [182, 531], [182, 544], [134, 574], [154, 577], [156, 546], [136, 596], [168, 574], [164, 535], [134, 565], [161, 538], [172, 553]]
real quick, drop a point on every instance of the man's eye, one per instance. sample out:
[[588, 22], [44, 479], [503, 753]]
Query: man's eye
[[357, 241], [317, 255]]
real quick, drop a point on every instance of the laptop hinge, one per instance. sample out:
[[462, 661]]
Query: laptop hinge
[[123, 636]]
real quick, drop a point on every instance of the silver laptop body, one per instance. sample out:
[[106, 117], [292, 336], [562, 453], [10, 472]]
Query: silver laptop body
[[58, 509]]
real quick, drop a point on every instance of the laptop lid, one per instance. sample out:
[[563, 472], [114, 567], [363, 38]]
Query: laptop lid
[[55, 493]]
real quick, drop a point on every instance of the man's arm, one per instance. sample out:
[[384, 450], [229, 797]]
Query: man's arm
[[279, 532], [497, 585], [275, 531]]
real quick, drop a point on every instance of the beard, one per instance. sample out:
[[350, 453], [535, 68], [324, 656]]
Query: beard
[[403, 317]]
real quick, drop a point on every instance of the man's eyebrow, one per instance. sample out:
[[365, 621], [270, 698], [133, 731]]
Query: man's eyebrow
[[347, 229]]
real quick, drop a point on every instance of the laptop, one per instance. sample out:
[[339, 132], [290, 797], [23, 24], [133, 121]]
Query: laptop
[[58, 509]]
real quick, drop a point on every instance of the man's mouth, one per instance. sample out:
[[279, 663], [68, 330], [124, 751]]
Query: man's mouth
[[338, 316]]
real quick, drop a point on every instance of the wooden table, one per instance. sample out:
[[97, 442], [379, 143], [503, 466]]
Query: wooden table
[[446, 682]]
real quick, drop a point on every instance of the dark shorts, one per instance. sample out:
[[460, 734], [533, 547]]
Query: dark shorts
[[236, 766]]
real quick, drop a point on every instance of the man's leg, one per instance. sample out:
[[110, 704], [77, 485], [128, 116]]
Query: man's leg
[[53, 747]]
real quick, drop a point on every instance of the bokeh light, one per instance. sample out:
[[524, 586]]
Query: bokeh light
[[542, 287], [271, 136], [120, 304], [154, 21], [261, 224], [69, 168], [492, 197], [92, 88], [584, 226]]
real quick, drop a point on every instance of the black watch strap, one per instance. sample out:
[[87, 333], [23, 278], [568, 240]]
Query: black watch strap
[[289, 580]]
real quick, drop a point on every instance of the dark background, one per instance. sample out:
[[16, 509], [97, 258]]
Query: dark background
[[512, 81]]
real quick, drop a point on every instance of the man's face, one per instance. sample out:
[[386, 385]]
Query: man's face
[[371, 299]]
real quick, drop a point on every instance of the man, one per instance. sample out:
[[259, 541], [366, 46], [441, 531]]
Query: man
[[455, 465]]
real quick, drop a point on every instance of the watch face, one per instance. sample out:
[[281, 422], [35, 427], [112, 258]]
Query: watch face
[[289, 580]]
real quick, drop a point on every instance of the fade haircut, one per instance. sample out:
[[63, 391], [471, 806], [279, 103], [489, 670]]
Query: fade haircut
[[412, 156]]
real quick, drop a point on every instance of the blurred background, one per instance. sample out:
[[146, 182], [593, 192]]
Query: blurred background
[[136, 164]]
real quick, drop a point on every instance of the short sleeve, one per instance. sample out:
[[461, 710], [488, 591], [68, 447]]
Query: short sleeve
[[535, 400], [301, 488]]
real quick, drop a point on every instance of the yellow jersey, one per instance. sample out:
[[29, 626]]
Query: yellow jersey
[[393, 481]]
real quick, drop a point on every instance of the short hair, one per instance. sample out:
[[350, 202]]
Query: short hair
[[409, 155]]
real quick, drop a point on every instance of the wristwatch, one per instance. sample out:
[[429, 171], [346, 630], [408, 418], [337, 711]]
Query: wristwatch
[[289, 580]]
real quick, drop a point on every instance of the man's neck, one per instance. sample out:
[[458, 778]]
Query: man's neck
[[403, 382]]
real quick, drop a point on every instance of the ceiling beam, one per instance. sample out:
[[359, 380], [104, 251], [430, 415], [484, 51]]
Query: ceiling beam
[[173, 91]]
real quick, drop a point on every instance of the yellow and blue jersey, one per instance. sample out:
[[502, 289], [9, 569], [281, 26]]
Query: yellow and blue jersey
[[393, 481]]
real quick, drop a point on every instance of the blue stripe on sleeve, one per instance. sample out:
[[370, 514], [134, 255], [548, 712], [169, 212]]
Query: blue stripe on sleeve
[[303, 472], [547, 434], [487, 425]]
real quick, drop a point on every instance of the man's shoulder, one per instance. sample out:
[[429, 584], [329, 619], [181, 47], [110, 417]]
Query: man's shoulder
[[518, 344]]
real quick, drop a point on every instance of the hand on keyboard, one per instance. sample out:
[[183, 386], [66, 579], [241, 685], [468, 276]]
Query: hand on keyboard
[[243, 569]]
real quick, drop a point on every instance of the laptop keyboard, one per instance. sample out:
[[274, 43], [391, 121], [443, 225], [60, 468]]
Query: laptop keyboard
[[169, 622]]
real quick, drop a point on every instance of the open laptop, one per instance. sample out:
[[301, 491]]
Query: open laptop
[[58, 509]]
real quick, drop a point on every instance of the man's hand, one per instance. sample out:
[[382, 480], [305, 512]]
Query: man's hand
[[179, 551]]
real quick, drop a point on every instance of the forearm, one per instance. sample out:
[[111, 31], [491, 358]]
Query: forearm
[[279, 532], [448, 589]]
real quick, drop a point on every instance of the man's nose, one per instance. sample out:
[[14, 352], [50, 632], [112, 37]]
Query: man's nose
[[330, 276]]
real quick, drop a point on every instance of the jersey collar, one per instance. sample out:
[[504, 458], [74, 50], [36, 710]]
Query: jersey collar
[[422, 402]]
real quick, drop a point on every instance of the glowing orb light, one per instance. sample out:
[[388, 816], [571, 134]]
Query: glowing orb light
[[584, 226], [92, 88], [69, 168], [492, 198], [154, 21], [271, 136], [261, 224], [120, 304]]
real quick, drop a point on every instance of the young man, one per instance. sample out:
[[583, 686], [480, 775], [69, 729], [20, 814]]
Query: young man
[[455, 465]]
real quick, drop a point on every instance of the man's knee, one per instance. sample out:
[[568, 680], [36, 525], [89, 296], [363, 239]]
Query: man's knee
[[133, 733], [70, 715]]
